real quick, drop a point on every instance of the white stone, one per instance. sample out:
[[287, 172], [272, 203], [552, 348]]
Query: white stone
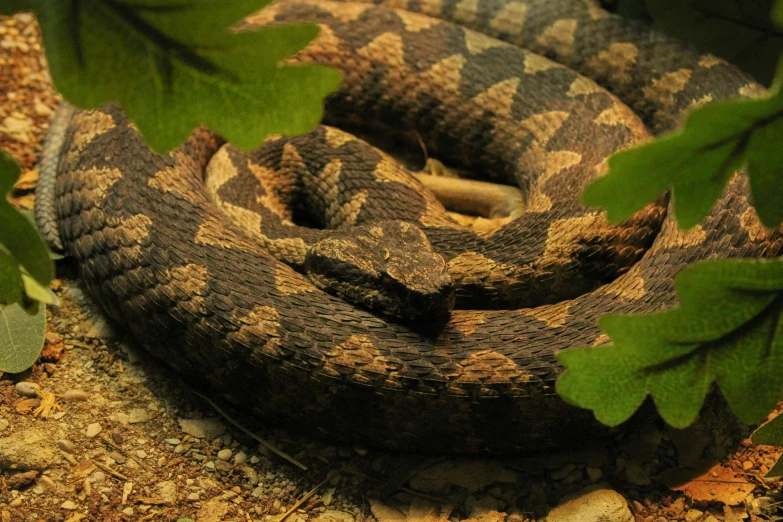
[[593, 504]]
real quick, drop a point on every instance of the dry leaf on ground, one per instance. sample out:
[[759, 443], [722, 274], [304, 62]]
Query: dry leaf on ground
[[718, 484]]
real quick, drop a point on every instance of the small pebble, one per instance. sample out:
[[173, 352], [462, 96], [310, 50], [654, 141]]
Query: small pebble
[[97, 477], [173, 442], [361, 451], [69, 505], [15, 502], [27, 389], [138, 416], [240, 458], [128, 511], [93, 430], [66, 445], [193, 497], [76, 395], [21, 480], [747, 465], [224, 455], [117, 437]]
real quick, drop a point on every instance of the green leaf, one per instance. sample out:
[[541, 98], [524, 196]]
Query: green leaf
[[777, 13], [10, 280], [9, 7], [727, 330], [697, 161], [21, 336], [771, 433], [38, 292], [177, 65], [18, 235]]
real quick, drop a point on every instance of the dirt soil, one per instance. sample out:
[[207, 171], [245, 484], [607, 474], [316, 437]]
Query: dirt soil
[[124, 439]]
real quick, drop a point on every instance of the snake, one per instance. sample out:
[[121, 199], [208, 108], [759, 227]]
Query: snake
[[538, 93]]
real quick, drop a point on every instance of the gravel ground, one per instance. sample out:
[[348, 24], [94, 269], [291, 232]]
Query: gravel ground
[[124, 439]]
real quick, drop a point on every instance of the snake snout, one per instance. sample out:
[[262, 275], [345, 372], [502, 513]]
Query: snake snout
[[388, 267]]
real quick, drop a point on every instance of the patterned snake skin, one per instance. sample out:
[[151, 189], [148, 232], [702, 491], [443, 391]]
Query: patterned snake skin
[[195, 289]]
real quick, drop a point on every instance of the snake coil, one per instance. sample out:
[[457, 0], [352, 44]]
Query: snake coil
[[203, 293]]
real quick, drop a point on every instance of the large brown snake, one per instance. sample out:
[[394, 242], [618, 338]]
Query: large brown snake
[[197, 292]]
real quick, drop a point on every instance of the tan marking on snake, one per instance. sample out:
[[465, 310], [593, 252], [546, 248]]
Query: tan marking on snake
[[709, 61], [560, 244], [632, 286], [165, 178], [616, 62], [96, 181], [289, 282], [535, 63], [337, 138], [352, 11], [477, 43], [544, 126], [445, 75], [499, 98], [487, 366], [752, 90], [559, 36], [358, 352], [538, 202], [189, 280], [466, 11], [664, 89], [250, 222], [386, 48], [220, 170], [620, 114], [557, 161], [752, 224], [270, 181], [692, 237], [262, 323], [94, 124], [554, 315], [467, 322], [582, 86], [211, 231], [265, 15], [510, 19], [695, 104], [132, 230], [601, 340], [415, 23], [352, 208]]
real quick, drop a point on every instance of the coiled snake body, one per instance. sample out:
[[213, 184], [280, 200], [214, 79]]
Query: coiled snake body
[[198, 292]]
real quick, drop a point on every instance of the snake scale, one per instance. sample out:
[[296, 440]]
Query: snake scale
[[199, 292]]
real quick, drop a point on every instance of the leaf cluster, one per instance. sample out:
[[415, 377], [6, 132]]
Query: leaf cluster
[[727, 329], [25, 272]]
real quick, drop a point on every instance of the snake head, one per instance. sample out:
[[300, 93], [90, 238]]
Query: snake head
[[388, 267]]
